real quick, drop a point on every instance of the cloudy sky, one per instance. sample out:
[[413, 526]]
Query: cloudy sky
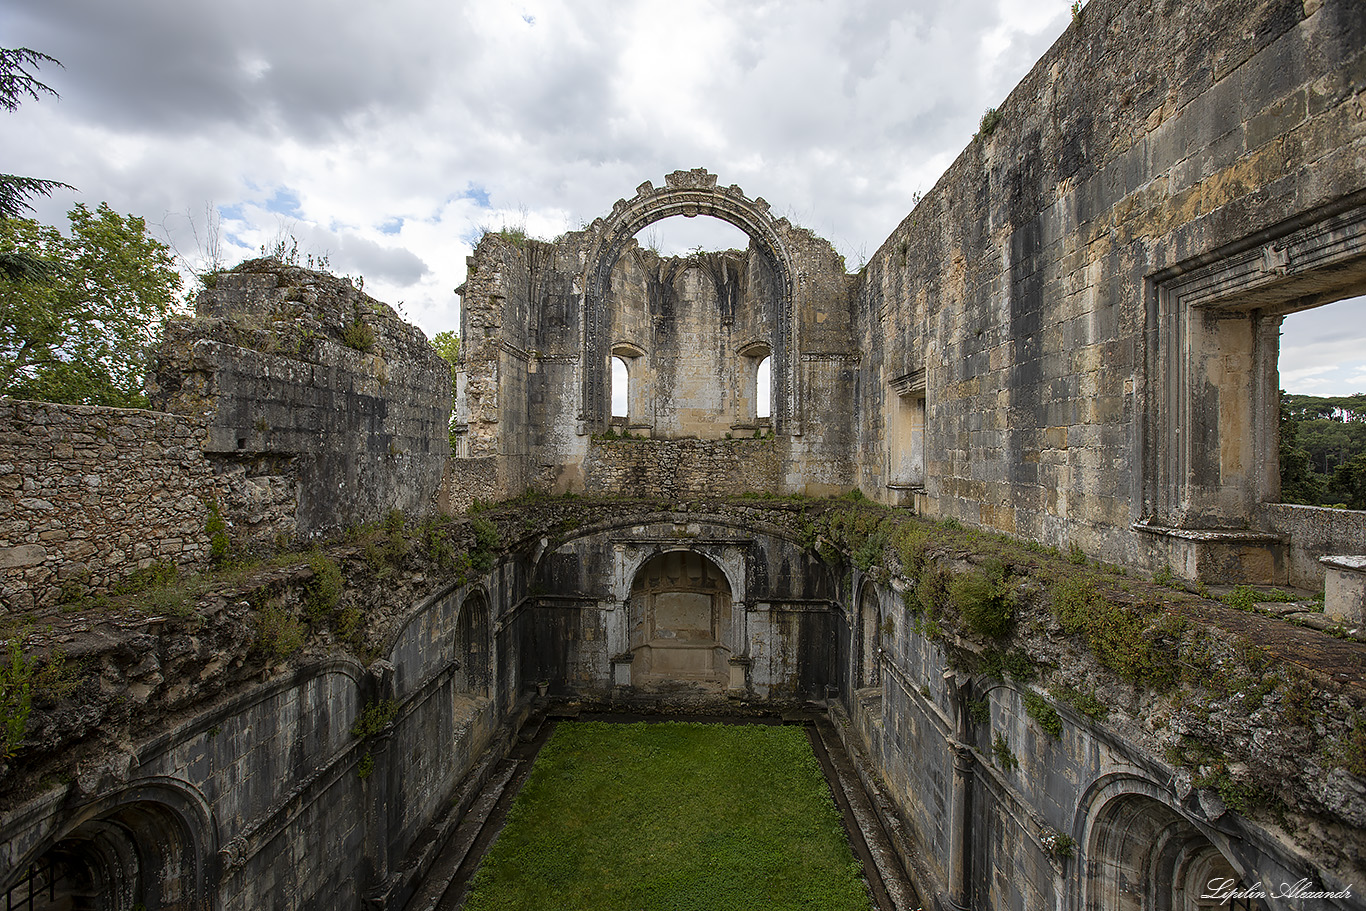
[[387, 136]]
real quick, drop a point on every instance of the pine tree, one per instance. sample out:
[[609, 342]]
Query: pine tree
[[18, 83]]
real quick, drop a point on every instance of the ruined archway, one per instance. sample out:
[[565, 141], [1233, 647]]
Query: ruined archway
[[1140, 854], [474, 646], [149, 846], [680, 622], [686, 193], [870, 636]]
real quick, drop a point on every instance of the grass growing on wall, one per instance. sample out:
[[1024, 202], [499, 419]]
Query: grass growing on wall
[[672, 816]]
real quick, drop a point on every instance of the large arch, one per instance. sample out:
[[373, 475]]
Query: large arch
[[686, 193], [151, 845], [1139, 853]]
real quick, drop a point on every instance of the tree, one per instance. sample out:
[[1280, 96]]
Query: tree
[[447, 344], [1348, 486], [18, 82], [83, 336], [1299, 483]]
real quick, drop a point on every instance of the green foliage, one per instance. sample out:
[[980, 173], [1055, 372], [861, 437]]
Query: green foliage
[[366, 767], [279, 632], [154, 575], [1000, 748], [1116, 634], [323, 592], [984, 598], [1016, 664], [1245, 597], [16, 696], [1323, 450], [1354, 748], [486, 544], [220, 544], [357, 335], [84, 334], [1086, 703], [18, 83], [1043, 714], [447, 344], [991, 119], [374, 718], [712, 816], [979, 710]]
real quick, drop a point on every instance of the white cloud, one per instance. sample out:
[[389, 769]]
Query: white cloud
[[400, 128]]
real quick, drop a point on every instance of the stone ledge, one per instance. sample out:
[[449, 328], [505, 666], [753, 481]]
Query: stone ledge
[[1221, 555]]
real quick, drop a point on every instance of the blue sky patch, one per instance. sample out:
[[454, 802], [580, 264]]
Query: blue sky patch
[[478, 194], [284, 202], [392, 226]]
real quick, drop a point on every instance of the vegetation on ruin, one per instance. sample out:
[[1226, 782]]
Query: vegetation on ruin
[[710, 816], [1084, 638], [1010, 609]]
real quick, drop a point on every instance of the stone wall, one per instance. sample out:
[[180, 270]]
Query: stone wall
[[300, 376], [1087, 300], [468, 480], [671, 468], [92, 494], [541, 321], [1315, 533]]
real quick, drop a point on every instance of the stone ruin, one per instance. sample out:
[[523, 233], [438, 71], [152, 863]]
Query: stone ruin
[[1071, 341]]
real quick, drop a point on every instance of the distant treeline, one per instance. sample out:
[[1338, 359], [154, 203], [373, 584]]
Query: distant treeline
[[1323, 450]]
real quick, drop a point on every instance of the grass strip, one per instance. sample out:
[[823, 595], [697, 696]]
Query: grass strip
[[674, 816]]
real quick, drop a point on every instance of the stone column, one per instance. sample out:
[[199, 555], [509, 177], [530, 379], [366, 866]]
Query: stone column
[[960, 820], [960, 828]]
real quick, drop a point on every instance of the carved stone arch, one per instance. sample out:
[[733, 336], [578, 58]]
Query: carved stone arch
[[473, 646], [1139, 849], [681, 620], [869, 647], [153, 842], [686, 193]]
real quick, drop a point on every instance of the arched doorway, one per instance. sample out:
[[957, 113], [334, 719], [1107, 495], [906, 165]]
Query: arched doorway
[[473, 646], [139, 854], [680, 623], [870, 625]]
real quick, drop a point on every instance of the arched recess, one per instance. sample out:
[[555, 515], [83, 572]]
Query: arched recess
[[474, 645], [680, 622], [1140, 854], [149, 846], [870, 636], [686, 193]]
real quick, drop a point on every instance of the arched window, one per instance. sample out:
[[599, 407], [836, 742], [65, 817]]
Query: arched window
[[763, 389], [621, 388]]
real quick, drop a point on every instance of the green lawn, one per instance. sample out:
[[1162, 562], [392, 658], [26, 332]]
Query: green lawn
[[675, 816]]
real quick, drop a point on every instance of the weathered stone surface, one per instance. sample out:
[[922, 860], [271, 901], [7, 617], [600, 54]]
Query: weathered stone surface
[[305, 382]]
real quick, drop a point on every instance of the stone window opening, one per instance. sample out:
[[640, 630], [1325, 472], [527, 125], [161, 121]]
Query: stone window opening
[[754, 403], [1211, 483], [630, 408], [906, 434], [621, 385], [1319, 355]]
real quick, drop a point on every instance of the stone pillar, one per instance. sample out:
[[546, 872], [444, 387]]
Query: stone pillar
[[960, 819], [382, 779], [960, 829]]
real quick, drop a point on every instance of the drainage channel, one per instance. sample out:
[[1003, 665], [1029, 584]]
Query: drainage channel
[[447, 882]]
